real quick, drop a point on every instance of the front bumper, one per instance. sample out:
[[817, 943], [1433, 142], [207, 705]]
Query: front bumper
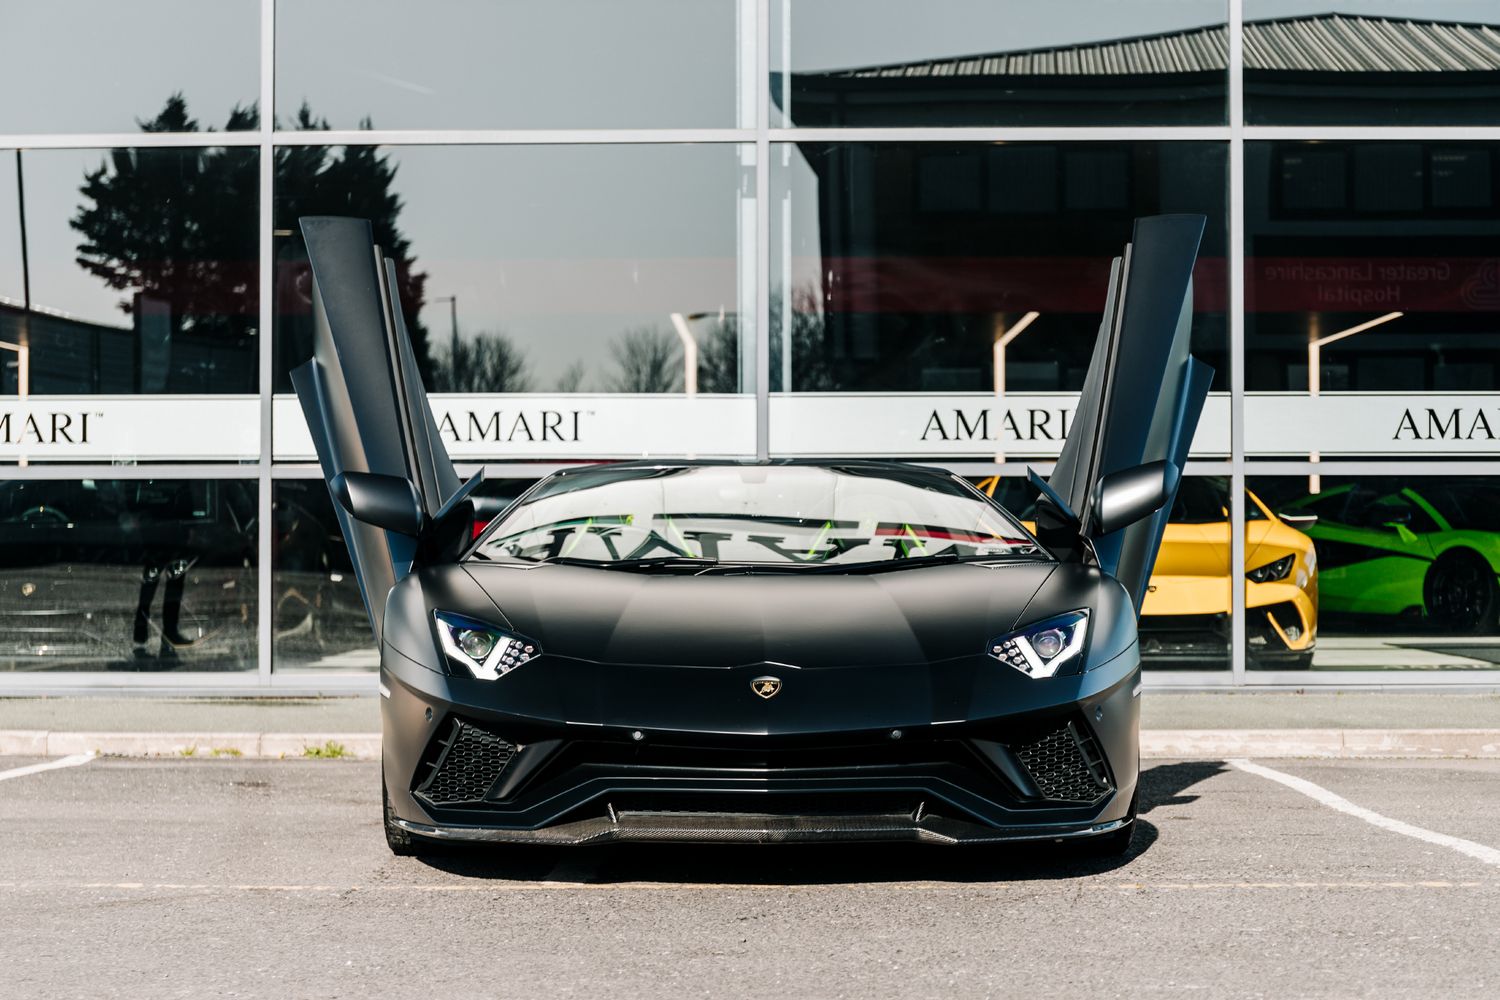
[[1281, 623], [984, 757]]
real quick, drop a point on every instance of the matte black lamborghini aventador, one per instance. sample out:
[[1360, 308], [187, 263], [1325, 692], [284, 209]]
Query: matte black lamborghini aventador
[[756, 651]]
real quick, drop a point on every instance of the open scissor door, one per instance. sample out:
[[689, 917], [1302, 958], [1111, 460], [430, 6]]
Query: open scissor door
[[1142, 395], [363, 398]]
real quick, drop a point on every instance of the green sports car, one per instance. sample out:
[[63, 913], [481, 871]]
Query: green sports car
[[1431, 553]]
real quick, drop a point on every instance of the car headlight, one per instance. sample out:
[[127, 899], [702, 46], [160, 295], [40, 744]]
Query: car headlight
[[1040, 649], [1278, 570], [481, 650]]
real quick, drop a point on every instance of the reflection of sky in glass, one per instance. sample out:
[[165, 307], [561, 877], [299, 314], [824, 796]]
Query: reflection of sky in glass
[[10, 231], [53, 177], [509, 64], [565, 248], [99, 65], [561, 247]]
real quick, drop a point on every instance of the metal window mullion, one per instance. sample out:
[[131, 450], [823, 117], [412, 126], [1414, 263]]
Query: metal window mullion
[[1236, 238], [1331, 133], [501, 137], [186, 683], [762, 230], [264, 562], [55, 471], [137, 140], [1375, 467], [1002, 133], [509, 137]]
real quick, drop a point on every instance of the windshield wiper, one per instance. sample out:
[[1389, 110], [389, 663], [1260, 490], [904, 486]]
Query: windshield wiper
[[647, 565], [914, 562]]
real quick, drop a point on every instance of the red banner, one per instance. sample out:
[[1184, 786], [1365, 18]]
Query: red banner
[[1372, 284], [936, 285]]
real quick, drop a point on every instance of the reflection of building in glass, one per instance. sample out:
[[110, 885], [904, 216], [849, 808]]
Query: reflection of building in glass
[[1337, 67], [76, 356], [1305, 69], [1339, 234], [1176, 78], [927, 253]]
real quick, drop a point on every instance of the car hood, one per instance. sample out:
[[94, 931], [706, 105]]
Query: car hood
[[724, 620], [1194, 550], [1203, 549]]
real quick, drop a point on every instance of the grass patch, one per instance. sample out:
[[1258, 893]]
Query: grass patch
[[327, 751], [187, 751], [227, 752]]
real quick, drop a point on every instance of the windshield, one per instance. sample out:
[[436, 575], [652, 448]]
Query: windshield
[[783, 516]]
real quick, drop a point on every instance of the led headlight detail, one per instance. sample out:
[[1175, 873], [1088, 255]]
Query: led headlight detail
[[481, 650], [1040, 649], [1278, 570]]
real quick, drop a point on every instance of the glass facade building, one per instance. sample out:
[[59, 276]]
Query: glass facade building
[[749, 228]]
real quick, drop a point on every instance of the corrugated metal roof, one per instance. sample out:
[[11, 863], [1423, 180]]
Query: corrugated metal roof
[[1319, 43], [1341, 43]]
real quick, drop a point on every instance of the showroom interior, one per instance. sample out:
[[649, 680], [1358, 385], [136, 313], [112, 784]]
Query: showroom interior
[[835, 228]]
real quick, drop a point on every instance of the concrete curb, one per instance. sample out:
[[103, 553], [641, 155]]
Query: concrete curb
[[1200, 743], [1155, 743], [40, 743]]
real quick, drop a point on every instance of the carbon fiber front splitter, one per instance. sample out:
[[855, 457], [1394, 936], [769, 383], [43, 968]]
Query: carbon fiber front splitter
[[743, 828]]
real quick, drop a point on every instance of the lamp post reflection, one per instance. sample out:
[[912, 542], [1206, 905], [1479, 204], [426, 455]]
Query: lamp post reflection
[[23, 376], [1315, 372], [452, 301], [1003, 337], [689, 352]]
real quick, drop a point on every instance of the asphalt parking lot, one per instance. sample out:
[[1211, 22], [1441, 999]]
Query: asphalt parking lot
[[166, 878]]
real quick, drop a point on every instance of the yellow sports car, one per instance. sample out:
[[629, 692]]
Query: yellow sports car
[[1185, 616]]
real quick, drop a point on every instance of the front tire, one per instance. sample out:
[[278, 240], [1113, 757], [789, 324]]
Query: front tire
[[1460, 594]]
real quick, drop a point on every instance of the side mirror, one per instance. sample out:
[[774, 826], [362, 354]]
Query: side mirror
[[388, 502], [1123, 498], [1299, 519], [1386, 516]]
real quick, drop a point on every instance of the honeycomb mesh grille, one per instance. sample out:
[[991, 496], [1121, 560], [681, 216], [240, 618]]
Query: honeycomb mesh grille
[[469, 762], [1066, 765]]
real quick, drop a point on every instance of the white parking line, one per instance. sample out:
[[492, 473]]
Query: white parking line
[[73, 760], [1488, 855]]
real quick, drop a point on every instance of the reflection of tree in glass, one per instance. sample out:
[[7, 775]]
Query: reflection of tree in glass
[[571, 380], [647, 359], [813, 370], [179, 227], [354, 181], [485, 362], [719, 356]]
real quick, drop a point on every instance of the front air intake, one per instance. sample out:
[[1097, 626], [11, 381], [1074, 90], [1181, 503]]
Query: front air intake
[[465, 763], [1066, 765]]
